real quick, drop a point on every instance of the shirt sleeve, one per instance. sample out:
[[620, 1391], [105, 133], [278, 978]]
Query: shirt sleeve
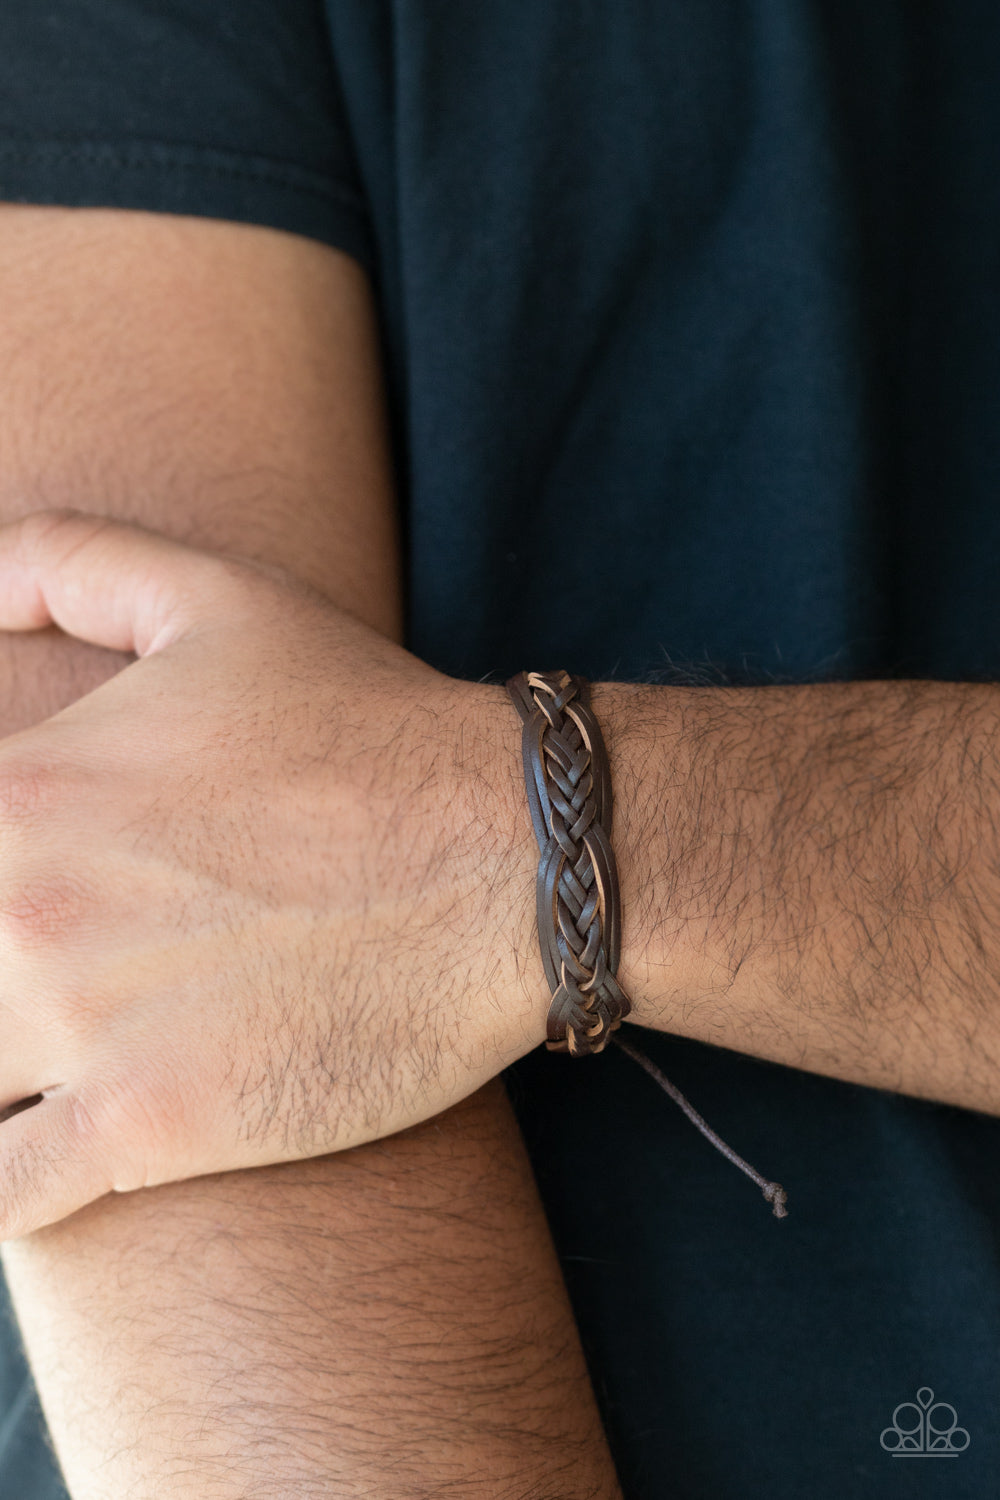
[[228, 109]]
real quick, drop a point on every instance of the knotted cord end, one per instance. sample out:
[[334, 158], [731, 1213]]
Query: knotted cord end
[[773, 1191], [777, 1197]]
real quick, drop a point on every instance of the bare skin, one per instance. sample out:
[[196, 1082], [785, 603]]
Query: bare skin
[[811, 876], [390, 1321], [809, 873]]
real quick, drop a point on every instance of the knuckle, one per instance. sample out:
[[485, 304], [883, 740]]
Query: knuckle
[[38, 910], [39, 527], [39, 524], [30, 789], [85, 1123], [125, 1125]]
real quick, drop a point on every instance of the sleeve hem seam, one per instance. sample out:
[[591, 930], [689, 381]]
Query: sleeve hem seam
[[162, 157]]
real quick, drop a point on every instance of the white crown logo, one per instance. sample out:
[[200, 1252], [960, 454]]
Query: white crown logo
[[924, 1429]]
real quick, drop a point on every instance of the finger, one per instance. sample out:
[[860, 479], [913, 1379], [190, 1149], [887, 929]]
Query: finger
[[48, 1166], [29, 1062], [109, 582], [32, 1059], [20, 1081]]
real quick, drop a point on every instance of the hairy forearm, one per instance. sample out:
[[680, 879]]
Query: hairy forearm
[[391, 1322], [379, 1323], [811, 874]]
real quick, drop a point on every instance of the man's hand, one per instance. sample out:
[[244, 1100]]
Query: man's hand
[[388, 1320], [262, 896], [243, 883]]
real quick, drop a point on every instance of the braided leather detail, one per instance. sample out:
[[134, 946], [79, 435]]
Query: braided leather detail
[[579, 924]]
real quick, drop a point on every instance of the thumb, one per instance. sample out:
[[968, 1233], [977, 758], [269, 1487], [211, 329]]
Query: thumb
[[48, 1166], [113, 583]]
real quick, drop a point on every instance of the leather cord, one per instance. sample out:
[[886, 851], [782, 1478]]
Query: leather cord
[[568, 780]]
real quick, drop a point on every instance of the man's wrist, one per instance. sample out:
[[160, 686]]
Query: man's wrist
[[505, 854], [808, 872], [647, 754], [647, 776]]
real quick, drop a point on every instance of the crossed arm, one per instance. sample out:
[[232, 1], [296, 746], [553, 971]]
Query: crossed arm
[[809, 875], [391, 1321]]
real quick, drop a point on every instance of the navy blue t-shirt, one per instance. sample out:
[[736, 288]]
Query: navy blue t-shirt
[[723, 276]]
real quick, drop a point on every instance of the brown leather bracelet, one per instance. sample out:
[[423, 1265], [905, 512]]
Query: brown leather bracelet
[[568, 780]]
